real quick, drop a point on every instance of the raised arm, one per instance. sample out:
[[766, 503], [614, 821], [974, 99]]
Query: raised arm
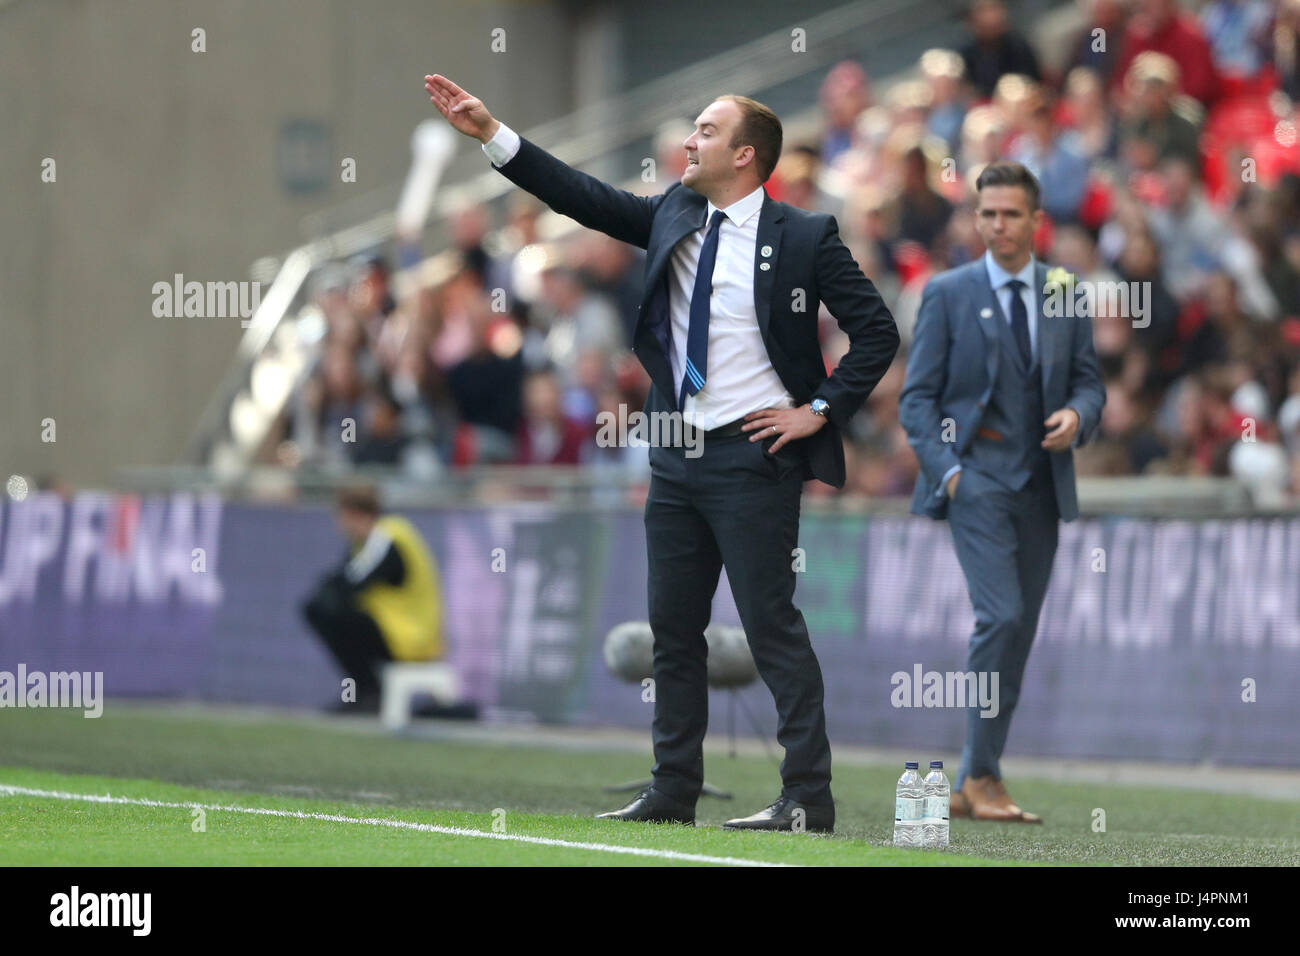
[[595, 204]]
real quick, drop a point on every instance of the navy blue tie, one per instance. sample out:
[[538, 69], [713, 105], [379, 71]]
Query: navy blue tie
[[1020, 322], [697, 334]]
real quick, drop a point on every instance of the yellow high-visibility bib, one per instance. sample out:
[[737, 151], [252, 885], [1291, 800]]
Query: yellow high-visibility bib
[[409, 615]]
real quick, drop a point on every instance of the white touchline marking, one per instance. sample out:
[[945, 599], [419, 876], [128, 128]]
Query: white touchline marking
[[7, 789]]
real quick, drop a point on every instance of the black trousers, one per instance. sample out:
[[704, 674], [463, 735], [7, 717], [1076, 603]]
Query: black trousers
[[734, 506], [349, 633]]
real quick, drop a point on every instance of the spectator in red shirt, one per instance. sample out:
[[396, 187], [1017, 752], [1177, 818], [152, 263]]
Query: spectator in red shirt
[[1160, 26], [545, 436]]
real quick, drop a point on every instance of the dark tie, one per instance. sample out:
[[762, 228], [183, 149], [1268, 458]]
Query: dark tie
[[697, 334], [1020, 322]]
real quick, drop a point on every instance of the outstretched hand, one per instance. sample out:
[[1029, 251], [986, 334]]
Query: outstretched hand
[[465, 113]]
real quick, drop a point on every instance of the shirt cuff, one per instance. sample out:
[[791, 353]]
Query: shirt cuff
[[501, 148], [943, 485]]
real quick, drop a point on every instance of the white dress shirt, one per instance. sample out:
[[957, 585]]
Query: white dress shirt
[[999, 279], [739, 377]]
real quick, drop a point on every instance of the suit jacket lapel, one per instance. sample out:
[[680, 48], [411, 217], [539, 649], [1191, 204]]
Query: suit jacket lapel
[[652, 342], [771, 219], [990, 315], [1048, 328], [684, 223]]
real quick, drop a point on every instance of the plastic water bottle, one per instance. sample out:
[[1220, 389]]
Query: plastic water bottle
[[934, 808], [907, 807]]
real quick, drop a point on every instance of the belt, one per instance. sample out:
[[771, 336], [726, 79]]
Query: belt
[[729, 430]]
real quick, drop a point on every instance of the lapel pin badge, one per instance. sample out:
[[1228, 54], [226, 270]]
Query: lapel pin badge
[[986, 313]]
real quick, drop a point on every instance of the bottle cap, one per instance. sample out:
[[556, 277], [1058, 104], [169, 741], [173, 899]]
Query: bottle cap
[[936, 764], [910, 765]]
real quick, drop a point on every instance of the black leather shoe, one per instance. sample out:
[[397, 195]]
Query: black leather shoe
[[651, 806], [784, 815]]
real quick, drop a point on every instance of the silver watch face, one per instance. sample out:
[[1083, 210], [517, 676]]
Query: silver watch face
[[819, 406]]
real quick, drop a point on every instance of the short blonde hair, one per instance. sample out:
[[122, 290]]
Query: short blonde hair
[[937, 62], [1153, 67]]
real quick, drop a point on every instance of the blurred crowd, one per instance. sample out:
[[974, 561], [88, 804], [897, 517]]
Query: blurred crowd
[[1165, 142]]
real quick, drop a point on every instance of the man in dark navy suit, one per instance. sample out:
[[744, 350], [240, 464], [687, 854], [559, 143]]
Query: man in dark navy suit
[[1002, 382], [727, 330]]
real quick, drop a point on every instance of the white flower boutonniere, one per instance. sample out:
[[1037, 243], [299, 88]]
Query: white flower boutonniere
[[1058, 279], [1060, 293]]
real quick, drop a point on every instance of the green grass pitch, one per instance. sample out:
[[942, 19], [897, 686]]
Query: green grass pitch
[[311, 792]]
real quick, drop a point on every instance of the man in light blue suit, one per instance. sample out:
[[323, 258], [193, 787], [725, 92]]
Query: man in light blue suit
[[1001, 384]]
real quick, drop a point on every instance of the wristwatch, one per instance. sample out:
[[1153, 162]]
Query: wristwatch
[[819, 406]]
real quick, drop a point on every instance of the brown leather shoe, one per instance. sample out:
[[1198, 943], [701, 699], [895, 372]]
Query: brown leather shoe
[[958, 806], [1003, 799], [983, 800]]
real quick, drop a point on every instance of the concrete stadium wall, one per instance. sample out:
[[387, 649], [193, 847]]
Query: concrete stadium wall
[[166, 162]]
